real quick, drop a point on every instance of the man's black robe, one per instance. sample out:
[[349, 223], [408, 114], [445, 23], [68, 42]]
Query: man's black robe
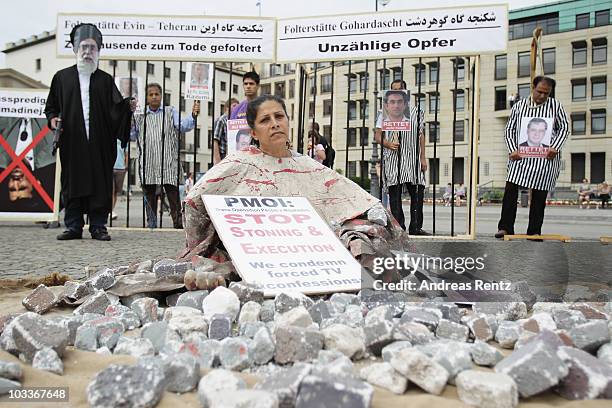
[[87, 165]]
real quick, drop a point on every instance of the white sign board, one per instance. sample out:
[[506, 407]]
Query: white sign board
[[199, 80], [282, 244], [180, 38], [18, 104], [393, 34]]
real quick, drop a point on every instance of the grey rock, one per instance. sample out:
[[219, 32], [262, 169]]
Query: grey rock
[[234, 354], [249, 313], [192, 299], [182, 373], [8, 385], [145, 266], [215, 381], [502, 310], [452, 355], [347, 340], [538, 322], [268, 309], [551, 339], [97, 303], [206, 352], [427, 317], [86, 338], [326, 391], [590, 336], [40, 300], [103, 279], [77, 290], [219, 327], [47, 359], [391, 349], [588, 377], [421, 370], [351, 317], [534, 367], [249, 329], [221, 301], [135, 347], [604, 354], [107, 329], [487, 390], [242, 399], [379, 314], [384, 375], [378, 335], [72, 323], [568, 319], [320, 311], [10, 370], [297, 316], [6, 339], [341, 300], [447, 329], [156, 333], [128, 300], [104, 351], [246, 293], [484, 354], [524, 293], [283, 302], [508, 333], [128, 317], [285, 384], [480, 327], [415, 333], [146, 309], [378, 215], [336, 365], [31, 333], [172, 299], [126, 386], [297, 344], [169, 268], [184, 324], [262, 347]]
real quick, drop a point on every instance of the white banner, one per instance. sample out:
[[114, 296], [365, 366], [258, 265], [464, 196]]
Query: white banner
[[198, 81], [19, 104], [282, 244], [393, 34], [175, 37]]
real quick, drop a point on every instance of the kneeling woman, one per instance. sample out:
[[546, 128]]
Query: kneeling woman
[[269, 168]]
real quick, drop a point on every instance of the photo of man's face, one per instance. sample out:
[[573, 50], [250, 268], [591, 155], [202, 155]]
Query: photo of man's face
[[124, 88], [199, 73], [19, 187], [536, 130], [395, 106], [243, 140]]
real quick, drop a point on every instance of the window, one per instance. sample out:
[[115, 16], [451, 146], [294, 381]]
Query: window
[[327, 107], [458, 166], [352, 110], [582, 21], [291, 88], [279, 89], [459, 69], [578, 123], [167, 72], [434, 102], [292, 110], [500, 98], [578, 89], [579, 53], [598, 121], [419, 74], [600, 50], [397, 73], [210, 138], [524, 90], [311, 109], [364, 166], [523, 64], [235, 89], [182, 104], [266, 89], [384, 79], [364, 78], [352, 83], [598, 167], [183, 76], [548, 60], [523, 28], [460, 101], [211, 109], [434, 132], [167, 98], [275, 69], [352, 137], [598, 87], [364, 109], [419, 101], [132, 65], [433, 72], [38, 64], [578, 165], [289, 68], [352, 169], [602, 18], [501, 66], [459, 131], [434, 171], [327, 132], [150, 68], [363, 136], [223, 85], [326, 83]]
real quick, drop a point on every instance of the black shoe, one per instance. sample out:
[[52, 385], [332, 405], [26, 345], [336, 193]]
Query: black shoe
[[501, 233], [100, 236], [422, 232], [69, 234]]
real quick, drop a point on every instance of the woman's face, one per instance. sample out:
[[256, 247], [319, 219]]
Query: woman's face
[[271, 127]]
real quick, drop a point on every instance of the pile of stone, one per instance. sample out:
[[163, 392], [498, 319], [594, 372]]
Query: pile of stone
[[303, 348]]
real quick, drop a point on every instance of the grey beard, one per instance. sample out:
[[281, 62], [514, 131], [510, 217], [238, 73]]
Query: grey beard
[[86, 68]]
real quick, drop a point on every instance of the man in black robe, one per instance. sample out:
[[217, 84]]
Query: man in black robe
[[93, 115]]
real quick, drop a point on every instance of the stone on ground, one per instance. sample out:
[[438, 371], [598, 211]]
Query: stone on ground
[[421, 370], [48, 360], [326, 391], [40, 300], [487, 390], [384, 375]]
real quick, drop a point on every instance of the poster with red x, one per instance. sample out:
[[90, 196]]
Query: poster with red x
[[29, 175]]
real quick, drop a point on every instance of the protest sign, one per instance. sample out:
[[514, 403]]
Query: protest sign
[[132, 87], [535, 136], [199, 80], [282, 244], [29, 180], [238, 135], [179, 38], [396, 110]]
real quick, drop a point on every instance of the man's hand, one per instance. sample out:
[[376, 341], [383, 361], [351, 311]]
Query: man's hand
[[133, 103], [55, 123], [551, 153], [392, 145], [423, 164], [515, 155], [195, 111]]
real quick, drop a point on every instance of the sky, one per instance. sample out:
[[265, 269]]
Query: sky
[[24, 18]]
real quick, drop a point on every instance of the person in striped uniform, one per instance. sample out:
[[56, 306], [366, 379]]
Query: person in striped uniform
[[406, 169], [158, 150], [536, 173]]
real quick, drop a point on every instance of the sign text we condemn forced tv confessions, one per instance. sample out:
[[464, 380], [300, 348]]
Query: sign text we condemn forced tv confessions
[[452, 31]]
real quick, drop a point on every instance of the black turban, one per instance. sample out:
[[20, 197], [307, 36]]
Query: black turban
[[85, 31]]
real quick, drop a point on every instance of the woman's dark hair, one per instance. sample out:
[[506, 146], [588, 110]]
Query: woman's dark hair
[[253, 107], [313, 135]]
